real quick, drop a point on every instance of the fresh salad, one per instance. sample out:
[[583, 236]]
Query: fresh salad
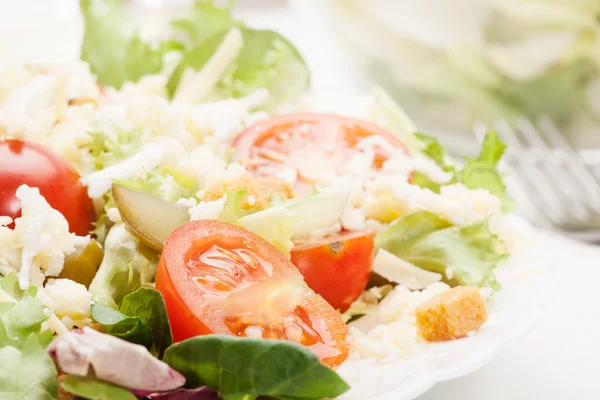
[[180, 220]]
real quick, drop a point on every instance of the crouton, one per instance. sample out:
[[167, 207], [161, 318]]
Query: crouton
[[62, 393], [260, 189], [451, 314]]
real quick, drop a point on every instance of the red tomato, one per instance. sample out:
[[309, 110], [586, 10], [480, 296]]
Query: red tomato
[[337, 267], [220, 278], [36, 166], [307, 143]]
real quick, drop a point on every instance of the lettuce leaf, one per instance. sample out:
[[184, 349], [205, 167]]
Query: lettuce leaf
[[168, 184], [26, 370], [126, 266], [469, 252], [113, 47], [275, 224], [266, 60], [21, 313], [482, 172], [92, 388], [205, 19], [478, 173], [141, 319], [107, 150]]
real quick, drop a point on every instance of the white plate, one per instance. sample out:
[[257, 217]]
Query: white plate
[[528, 283]]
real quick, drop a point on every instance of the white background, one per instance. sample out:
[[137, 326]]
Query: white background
[[560, 359]]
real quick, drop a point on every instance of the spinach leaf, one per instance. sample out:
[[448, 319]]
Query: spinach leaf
[[244, 368], [142, 319], [148, 305], [27, 372], [115, 323], [94, 389]]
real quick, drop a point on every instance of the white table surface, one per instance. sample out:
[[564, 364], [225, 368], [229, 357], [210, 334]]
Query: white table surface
[[558, 360]]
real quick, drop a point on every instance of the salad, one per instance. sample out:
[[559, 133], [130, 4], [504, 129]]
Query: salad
[[179, 220]]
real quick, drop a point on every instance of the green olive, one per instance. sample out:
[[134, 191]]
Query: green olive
[[149, 218], [82, 265]]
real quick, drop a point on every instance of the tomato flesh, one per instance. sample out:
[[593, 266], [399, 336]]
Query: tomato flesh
[[307, 144], [220, 278], [34, 165], [337, 267]]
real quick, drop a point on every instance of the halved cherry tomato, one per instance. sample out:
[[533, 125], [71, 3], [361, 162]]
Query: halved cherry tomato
[[220, 278], [337, 267], [307, 144], [35, 165]]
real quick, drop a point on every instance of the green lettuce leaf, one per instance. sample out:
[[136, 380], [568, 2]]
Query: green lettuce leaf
[[482, 172], [26, 369], [21, 314], [107, 150], [205, 19], [232, 209], [113, 47], [432, 148], [244, 368], [92, 388], [267, 60], [142, 319], [478, 173], [427, 241], [275, 224], [27, 372], [126, 266], [169, 184]]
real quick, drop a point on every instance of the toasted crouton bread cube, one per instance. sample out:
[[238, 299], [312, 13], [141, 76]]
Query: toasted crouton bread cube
[[451, 314]]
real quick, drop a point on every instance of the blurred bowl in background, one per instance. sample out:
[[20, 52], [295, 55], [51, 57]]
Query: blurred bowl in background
[[450, 63]]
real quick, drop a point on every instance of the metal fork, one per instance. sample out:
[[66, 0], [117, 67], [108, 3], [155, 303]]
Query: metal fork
[[551, 176]]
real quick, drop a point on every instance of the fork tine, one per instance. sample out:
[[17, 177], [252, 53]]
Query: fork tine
[[580, 172], [563, 184], [539, 190]]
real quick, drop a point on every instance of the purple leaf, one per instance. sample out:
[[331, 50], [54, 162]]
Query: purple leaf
[[202, 393], [113, 360]]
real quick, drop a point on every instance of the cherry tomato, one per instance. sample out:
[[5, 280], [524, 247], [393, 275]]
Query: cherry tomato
[[220, 278], [337, 267], [34, 165], [306, 144]]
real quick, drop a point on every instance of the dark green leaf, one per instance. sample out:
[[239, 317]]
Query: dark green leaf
[[243, 368], [148, 305], [142, 319], [28, 372], [94, 389], [131, 329], [423, 239]]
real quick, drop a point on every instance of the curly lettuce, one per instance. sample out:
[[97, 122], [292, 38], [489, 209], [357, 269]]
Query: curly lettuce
[[464, 255], [478, 173]]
